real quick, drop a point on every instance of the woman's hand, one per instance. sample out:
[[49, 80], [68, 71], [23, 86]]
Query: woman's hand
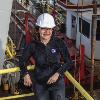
[[27, 80], [53, 78]]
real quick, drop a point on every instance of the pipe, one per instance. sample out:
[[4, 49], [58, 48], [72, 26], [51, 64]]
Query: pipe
[[93, 42], [8, 51], [17, 96], [16, 69], [78, 86]]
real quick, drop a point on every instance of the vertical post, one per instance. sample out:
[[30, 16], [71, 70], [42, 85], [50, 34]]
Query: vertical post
[[82, 51], [43, 3], [67, 2], [93, 41], [54, 10], [28, 37], [47, 6]]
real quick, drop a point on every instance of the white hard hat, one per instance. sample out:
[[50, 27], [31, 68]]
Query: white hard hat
[[45, 20]]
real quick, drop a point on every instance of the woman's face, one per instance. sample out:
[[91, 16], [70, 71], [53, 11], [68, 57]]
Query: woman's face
[[45, 33]]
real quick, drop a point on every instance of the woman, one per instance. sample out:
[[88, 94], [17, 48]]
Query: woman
[[49, 71]]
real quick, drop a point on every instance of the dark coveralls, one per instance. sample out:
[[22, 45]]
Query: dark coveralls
[[48, 62]]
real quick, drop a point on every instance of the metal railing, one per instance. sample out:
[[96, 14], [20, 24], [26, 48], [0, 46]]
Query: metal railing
[[67, 74]]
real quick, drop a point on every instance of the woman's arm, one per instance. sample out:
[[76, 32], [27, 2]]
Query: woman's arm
[[26, 54], [67, 62]]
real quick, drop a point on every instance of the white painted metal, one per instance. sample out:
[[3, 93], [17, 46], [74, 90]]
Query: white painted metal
[[87, 16], [5, 12], [71, 32], [69, 24]]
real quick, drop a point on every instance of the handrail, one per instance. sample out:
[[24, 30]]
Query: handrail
[[73, 6], [78, 86], [16, 96], [16, 69], [67, 74]]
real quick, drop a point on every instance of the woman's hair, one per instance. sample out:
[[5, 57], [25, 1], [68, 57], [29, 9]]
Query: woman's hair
[[35, 33]]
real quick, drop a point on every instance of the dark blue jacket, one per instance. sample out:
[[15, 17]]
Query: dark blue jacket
[[47, 58]]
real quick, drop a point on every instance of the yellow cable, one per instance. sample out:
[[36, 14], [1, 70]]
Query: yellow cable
[[8, 51]]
